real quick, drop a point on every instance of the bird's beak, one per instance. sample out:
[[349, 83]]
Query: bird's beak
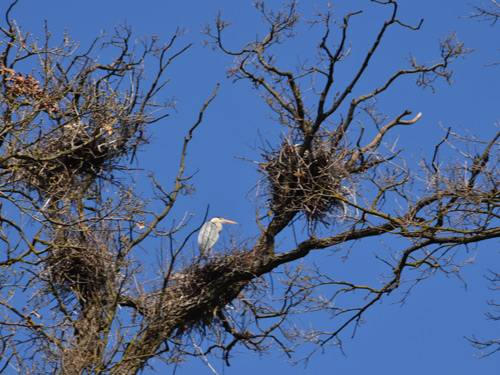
[[229, 221]]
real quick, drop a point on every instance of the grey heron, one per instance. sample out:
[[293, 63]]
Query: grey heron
[[209, 233]]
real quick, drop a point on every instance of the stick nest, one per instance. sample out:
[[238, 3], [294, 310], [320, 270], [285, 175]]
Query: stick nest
[[81, 265], [65, 159], [307, 181], [213, 285]]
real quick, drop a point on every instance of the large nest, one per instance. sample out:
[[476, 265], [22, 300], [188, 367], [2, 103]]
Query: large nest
[[80, 265], [213, 284], [307, 181], [67, 157]]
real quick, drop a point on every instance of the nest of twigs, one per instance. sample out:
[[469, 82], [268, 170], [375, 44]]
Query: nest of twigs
[[80, 266], [67, 157], [305, 181], [214, 284]]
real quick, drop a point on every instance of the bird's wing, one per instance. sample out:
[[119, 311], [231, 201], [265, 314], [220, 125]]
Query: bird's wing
[[208, 237]]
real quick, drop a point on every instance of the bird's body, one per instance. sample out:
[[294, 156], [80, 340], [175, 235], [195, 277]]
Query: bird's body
[[209, 234]]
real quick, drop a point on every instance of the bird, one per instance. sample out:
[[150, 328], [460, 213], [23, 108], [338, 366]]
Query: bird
[[209, 233]]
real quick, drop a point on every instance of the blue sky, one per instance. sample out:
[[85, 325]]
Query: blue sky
[[424, 336]]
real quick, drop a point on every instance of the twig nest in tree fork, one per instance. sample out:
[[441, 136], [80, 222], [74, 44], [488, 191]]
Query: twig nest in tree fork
[[77, 269], [213, 285], [307, 181], [65, 157]]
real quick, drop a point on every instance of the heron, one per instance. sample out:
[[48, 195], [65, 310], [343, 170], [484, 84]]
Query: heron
[[209, 234]]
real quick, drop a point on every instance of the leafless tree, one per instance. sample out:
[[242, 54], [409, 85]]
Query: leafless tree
[[488, 346], [72, 224]]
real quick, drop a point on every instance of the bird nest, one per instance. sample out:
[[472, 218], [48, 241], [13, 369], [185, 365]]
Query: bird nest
[[79, 266], [66, 158], [305, 181], [213, 284]]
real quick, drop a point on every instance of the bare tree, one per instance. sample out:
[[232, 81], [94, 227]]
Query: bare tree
[[488, 346], [72, 225]]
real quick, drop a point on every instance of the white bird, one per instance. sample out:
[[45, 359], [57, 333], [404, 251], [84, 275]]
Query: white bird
[[209, 234]]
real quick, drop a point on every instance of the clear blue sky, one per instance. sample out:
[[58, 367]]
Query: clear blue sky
[[424, 336]]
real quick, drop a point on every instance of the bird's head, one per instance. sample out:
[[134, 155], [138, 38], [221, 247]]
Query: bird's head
[[219, 220]]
